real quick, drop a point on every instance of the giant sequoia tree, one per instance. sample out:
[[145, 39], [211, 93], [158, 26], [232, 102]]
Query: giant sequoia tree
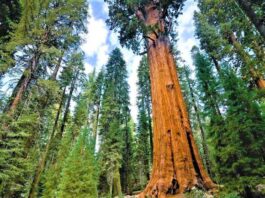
[[177, 165]]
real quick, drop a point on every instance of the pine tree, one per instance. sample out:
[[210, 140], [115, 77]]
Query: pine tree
[[52, 175], [69, 76], [79, 175], [115, 113], [224, 32], [249, 9], [49, 28], [61, 146], [209, 89], [16, 155], [241, 163], [198, 121], [144, 128], [227, 136], [10, 13], [172, 172]]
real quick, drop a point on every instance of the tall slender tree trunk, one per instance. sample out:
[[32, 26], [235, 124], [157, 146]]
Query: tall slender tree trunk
[[177, 165], [196, 109], [57, 67], [67, 108], [22, 85], [247, 8], [258, 79], [216, 64], [125, 166], [117, 184], [149, 117], [44, 156], [95, 124]]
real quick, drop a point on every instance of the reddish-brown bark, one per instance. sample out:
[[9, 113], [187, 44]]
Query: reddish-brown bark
[[22, 85], [177, 166]]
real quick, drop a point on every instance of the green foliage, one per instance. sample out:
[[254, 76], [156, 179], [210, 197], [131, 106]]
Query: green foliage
[[10, 14], [209, 90], [79, 175], [143, 148], [132, 29], [52, 176], [111, 156], [231, 42], [116, 146], [241, 157], [216, 25], [47, 28], [234, 130], [16, 162]]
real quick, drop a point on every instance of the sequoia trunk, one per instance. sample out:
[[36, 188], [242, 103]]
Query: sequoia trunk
[[177, 165]]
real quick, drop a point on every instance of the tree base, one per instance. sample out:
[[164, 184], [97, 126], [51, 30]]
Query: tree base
[[157, 190]]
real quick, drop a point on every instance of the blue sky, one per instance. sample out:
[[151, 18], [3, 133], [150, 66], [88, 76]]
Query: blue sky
[[100, 41]]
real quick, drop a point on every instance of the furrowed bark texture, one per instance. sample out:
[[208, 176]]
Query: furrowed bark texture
[[177, 165]]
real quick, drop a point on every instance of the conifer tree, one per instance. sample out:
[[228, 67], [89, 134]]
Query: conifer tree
[[224, 32], [21, 140], [79, 175], [60, 148], [144, 129], [209, 89], [227, 136], [248, 8], [241, 161], [70, 77], [52, 175], [10, 14], [45, 31], [173, 172], [116, 146], [198, 118]]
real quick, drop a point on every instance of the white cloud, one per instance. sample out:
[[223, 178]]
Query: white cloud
[[186, 31], [105, 8], [95, 42], [114, 39], [96, 36], [102, 56], [88, 68], [132, 62]]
